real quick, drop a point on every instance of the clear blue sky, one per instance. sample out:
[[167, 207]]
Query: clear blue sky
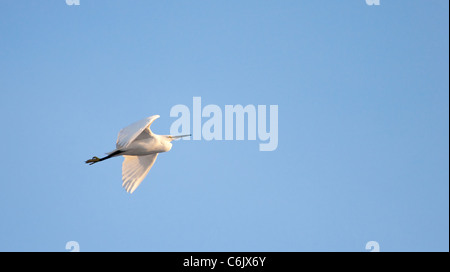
[[363, 152]]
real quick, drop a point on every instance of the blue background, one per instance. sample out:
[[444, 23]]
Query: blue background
[[363, 153]]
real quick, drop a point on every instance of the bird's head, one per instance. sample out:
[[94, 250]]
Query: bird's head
[[171, 137]]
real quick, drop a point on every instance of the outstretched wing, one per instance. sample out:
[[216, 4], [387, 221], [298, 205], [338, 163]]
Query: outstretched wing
[[131, 132], [134, 170]]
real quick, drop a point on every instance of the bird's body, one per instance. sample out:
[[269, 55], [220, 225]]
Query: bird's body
[[140, 147], [147, 146]]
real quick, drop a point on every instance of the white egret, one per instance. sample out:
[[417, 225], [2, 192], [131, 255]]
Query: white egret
[[140, 147]]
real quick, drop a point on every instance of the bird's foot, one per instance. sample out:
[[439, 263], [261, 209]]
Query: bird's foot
[[93, 160]]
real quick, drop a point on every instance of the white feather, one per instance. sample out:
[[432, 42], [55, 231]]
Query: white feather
[[131, 132], [134, 170]]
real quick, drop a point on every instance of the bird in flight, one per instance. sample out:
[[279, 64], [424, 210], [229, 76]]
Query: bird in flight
[[140, 147]]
